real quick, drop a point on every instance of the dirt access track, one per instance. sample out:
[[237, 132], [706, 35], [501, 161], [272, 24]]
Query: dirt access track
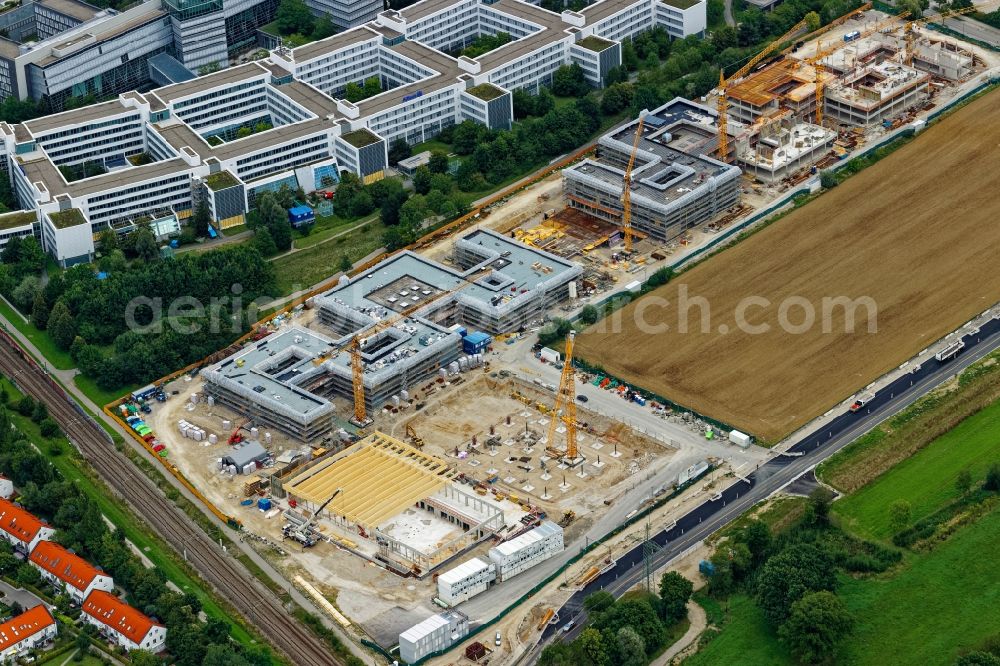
[[917, 232]]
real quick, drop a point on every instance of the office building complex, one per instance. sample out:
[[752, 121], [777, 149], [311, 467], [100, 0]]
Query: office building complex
[[167, 148], [675, 186], [286, 380]]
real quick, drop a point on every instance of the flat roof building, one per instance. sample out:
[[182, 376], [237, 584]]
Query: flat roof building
[[438, 632], [465, 581], [527, 550], [287, 380], [675, 185]]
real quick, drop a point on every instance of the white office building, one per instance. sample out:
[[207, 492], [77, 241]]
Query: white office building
[[525, 551], [465, 581], [155, 154], [437, 632]]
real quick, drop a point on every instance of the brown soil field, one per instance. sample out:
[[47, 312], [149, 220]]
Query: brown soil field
[[918, 232]]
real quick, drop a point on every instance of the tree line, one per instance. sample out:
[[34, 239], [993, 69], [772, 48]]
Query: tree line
[[187, 308], [80, 527]]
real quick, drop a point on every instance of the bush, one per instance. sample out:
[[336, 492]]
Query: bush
[[828, 179], [589, 315], [48, 428], [26, 406]]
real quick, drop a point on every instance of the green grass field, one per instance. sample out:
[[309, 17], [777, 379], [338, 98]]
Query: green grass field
[[927, 479], [305, 268], [939, 604], [746, 638], [55, 356]]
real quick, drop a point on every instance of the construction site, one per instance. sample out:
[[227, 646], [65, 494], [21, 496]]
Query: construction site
[[396, 442]]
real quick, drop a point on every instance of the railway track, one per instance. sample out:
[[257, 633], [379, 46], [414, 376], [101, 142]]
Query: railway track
[[258, 605]]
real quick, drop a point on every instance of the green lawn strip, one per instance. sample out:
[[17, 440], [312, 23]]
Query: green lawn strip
[[335, 226], [432, 145], [777, 514], [303, 269], [944, 602], [67, 461], [673, 634], [927, 479], [57, 357], [746, 638], [99, 396]]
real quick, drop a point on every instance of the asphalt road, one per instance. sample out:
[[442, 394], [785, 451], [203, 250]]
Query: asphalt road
[[815, 447]]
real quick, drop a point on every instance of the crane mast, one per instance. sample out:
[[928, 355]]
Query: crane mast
[[627, 189], [565, 407]]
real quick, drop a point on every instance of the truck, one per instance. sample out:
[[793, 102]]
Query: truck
[[861, 401], [950, 352]]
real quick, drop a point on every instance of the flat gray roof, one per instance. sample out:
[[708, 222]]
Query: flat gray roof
[[312, 99], [9, 49], [330, 44], [43, 170], [99, 36], [423, 9], [83, 115], [552, 30], [81, 11], [215, 80], [424, 55], [603, 9]]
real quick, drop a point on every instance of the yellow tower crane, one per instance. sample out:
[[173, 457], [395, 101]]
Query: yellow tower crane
[[724, 83], [357, 343], [565, 405], [627, 186]]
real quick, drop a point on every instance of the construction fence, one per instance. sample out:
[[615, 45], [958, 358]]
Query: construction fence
[[591, 546]]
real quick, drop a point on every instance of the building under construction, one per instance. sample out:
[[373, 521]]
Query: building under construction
[[406, 312], [407, 507], [674, 185]]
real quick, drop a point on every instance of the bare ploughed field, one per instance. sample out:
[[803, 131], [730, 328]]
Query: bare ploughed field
[[919, 233]]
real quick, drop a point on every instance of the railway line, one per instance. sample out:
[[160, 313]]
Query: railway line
[[258, 605]]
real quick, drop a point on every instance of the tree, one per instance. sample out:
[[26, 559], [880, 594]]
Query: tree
[[39, 311], [144, 243], [62, 325], [26, 405], [569, 81], [675, 590], [438, 162], [978, 658], [591, 644], [812, 21], [398, 150], [963, 482], [816, 624], [345, 263], [27, 575], [107, 241], [589, 314], [992, 482], [372, 86], [797, 570], [631, 647], [422, 180], [264, 242], [354, 92], [293, 16], [818, 508], [201, 219], [324, 28], [40, 412], [24, 294]]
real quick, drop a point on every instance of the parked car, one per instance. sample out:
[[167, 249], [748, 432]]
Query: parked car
[[498, 641], [582, 398]]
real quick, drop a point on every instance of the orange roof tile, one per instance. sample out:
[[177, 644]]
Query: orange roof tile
[[17, 522], [64, 565], [24, 625], [114, 613]]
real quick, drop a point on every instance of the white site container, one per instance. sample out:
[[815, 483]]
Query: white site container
[[740, 439]]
